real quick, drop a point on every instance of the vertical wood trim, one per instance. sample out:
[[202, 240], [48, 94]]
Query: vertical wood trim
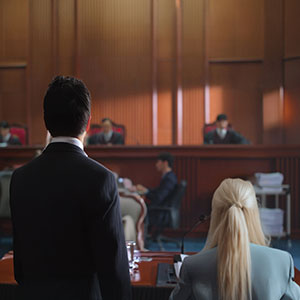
[[206, 62], [154, 74], [76, 42], [55, 28], [28, 78], [282, 90], [179, 98], [281, 108], [272, 102]]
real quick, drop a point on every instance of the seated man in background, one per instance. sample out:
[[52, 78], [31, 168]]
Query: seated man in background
[[6, 138], [159, 195], [224, 135], [107, 136]]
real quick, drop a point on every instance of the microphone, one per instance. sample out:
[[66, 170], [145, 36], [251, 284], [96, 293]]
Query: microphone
[[201, 220]]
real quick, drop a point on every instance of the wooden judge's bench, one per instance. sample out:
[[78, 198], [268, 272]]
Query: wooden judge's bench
[[203, 167]]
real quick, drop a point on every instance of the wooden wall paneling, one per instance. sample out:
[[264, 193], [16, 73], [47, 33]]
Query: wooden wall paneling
[[236, 89], [40, 63], [273, 73], [291, 28], [114, 49], [14, 30], [154, 72], [193, 71], [166, 69], [13, 95], [66, 41], [291, 72], [292, 102], [235, 29], [13, 56]]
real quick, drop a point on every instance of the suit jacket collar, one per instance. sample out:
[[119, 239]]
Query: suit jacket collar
[[60, 147]]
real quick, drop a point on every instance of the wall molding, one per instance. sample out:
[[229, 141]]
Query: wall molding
[[297, 57], [13, 64], [235, 60]]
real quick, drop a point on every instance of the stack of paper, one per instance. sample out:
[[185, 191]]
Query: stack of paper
[[269, 182], [272, 221]]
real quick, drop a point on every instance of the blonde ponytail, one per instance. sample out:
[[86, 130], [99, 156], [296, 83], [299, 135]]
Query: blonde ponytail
[[234, 225]]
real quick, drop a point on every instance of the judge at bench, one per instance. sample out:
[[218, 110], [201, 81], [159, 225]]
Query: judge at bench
[[107, 136], [68, 238], [6, 138], [236, 262], [224, 135]]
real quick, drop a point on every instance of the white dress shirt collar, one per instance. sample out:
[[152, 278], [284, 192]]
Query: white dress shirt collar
[[6, 138], [69, 140], [222, 132], [107, 136]]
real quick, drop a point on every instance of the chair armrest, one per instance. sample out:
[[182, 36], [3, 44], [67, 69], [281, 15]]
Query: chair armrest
[[140, 222]]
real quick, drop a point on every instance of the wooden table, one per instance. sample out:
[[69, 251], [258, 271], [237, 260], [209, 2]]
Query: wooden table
[[143, 280]]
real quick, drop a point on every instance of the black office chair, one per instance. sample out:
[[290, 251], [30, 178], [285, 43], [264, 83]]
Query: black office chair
[[169, 215]]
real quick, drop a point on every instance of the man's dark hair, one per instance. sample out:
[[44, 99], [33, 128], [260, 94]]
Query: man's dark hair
[[4, 124], [166, 156], [67, 107], [222, 117], [107, 119]]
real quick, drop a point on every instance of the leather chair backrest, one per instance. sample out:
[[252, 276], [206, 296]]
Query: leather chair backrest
[[21, 132], [135, 207], [175, 203], [130, 207]]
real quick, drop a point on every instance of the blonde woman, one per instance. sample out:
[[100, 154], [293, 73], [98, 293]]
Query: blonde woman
[[236, 262]]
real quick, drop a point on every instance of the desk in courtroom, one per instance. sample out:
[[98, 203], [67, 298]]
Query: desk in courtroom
[[143, 280]]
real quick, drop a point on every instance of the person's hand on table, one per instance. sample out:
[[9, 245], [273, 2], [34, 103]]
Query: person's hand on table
[[141, 189]]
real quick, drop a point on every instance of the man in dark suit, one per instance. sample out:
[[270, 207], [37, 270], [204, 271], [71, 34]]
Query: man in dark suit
[[6, 138], [159, 196], [107, 136], [224, 135], [67, 229]]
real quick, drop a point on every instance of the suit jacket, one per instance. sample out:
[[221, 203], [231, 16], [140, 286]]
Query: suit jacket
[[13, 140], [67, 229], [160, 196], [231, 137], [272, 274], [98, 139]]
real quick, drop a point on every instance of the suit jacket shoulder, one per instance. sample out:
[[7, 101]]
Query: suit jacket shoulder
[[208, 137], [198, 278], [70, 202], [117, 138]]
